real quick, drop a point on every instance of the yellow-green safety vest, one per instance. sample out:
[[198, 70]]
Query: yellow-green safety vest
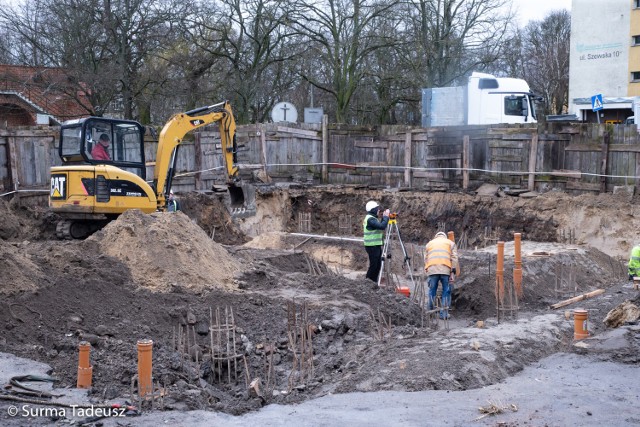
[[372, 237], [634, 261]]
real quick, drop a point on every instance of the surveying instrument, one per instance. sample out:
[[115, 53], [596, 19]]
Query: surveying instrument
[[392, 233]]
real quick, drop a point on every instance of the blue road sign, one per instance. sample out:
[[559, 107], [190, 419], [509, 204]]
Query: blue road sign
[[596, 102]]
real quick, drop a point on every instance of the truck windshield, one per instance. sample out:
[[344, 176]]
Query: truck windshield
[[516, 105]]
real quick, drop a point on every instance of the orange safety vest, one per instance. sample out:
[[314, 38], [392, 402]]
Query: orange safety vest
[[438, 252]]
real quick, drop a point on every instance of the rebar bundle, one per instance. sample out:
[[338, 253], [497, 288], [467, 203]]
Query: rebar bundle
[[304, 222], [224, 352], [381, 325], [300, 343]]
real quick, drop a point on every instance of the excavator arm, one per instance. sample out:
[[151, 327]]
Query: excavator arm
[[174, 131]]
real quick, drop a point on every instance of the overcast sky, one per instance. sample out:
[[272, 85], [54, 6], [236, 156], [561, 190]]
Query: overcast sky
[[537, 9]]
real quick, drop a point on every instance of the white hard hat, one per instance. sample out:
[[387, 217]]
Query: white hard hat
[[370, 205], [441, 233]]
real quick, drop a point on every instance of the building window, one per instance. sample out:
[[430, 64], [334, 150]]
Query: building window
[[635, 40], [635, 76], [636, 4]]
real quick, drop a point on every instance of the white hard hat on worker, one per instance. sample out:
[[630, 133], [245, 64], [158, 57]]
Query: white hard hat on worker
[[370, 205]]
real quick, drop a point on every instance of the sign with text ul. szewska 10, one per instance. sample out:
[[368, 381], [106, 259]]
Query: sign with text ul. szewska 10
[[596, 102]]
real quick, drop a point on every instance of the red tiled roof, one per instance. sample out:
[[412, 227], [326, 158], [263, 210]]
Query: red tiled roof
[[47, 88]]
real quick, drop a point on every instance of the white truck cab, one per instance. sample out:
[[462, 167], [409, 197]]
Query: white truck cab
[[485, 99]]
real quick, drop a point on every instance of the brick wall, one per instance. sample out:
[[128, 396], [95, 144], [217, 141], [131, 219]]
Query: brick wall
[[15, 112]]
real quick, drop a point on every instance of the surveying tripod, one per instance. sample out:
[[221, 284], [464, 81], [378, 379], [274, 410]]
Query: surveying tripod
[[391, 232]]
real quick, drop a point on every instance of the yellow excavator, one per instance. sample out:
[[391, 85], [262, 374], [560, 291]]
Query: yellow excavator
[[103, 170]]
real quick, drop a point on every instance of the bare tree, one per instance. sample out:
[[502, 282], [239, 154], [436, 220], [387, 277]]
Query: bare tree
[[252, 49], [512, 61], [6, 51], [454, 37], [341, 35], [546, 59], [104, 44]]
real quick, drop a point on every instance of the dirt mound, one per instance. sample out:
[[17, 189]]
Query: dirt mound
[[24, 274], [29, 221], [165, 250]]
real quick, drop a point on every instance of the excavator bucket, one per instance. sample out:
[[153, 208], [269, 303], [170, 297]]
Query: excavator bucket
[[242, 200]]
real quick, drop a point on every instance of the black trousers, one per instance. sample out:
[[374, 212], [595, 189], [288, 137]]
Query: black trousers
[[375, 262]]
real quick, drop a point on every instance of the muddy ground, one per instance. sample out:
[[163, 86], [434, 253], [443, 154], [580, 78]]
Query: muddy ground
[[151, 276]]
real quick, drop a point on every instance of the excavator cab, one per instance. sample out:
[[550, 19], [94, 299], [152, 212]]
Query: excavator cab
[[97, 140]]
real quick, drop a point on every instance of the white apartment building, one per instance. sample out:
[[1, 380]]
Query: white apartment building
[[604, 58]]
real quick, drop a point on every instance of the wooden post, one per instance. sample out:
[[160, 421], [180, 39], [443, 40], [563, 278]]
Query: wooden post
[[603, 163], [465, 162], [387, 175], [533, 154], [37, 163], [47, 160], [263, 144], [325, 149], [12, 159], [197, 146], [407, 159]]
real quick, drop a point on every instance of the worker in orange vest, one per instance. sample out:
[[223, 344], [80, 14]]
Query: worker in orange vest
[[440, 259]]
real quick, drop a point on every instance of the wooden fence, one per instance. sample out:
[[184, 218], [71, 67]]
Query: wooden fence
[[577, 158]]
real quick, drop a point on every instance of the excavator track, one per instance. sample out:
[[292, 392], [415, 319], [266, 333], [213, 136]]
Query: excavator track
[[70, 229], [63, 230]]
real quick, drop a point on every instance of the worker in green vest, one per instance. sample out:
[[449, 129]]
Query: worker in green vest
[[172, 203], [373, 229], [634, 262]]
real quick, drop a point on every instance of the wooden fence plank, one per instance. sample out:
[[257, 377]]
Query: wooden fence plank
[[465, 162], [443, 157], [506, 144], [297, 132], [425, 174], [407, 159], [583, 186], [533, 151], [507, 159], [371, 144], [567, 173], [13, 162], [603, 163]]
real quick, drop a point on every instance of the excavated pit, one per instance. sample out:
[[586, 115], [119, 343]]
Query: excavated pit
[[149, 276]]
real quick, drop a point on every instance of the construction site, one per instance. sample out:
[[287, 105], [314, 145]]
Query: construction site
[[261, 314], [275, 309]]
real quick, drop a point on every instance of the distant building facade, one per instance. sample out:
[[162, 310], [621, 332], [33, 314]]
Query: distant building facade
[[39, 95], [604, 58]]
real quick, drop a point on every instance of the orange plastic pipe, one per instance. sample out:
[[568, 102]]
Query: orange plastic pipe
[[500, 263], [500, 272], [145, 382], [517, 271], [580, 328], [451, 235], [517, 237], [85, 370]]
